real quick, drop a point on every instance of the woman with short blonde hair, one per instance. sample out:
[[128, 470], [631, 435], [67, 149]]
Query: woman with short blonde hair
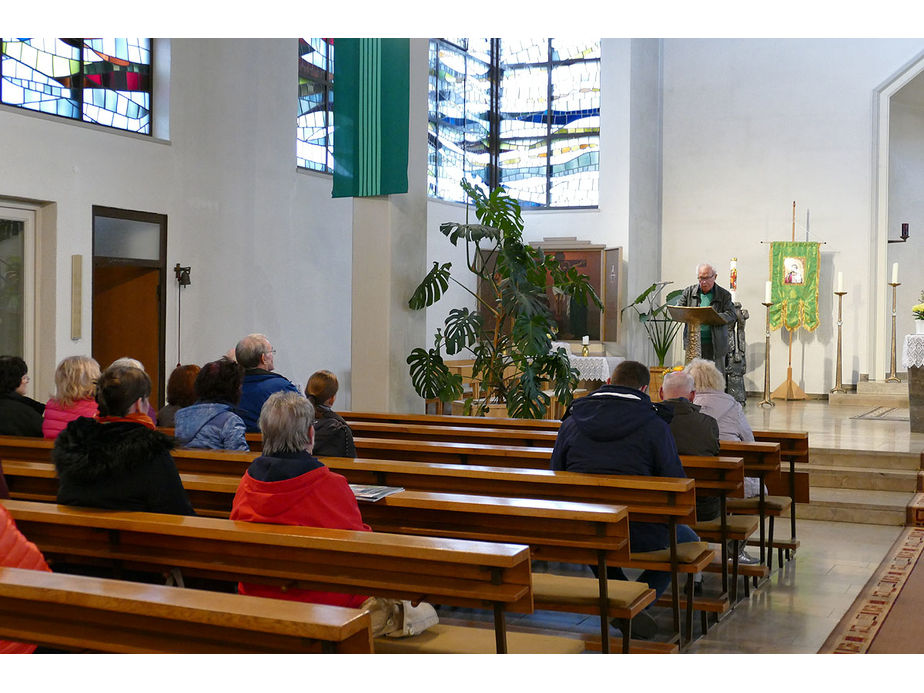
[[75, 394]]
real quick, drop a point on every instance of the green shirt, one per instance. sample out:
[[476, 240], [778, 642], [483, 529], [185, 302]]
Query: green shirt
[[705, 331]]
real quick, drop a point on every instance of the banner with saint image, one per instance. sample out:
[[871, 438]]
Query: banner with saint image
[[794, 284]]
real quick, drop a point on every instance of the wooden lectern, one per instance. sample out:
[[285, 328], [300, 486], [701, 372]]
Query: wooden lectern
[[694, 317]]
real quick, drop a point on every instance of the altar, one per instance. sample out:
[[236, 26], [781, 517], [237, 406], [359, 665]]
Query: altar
[[913, 362]]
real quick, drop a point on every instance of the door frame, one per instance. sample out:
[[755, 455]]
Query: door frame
[[160, 265], [27, 214]]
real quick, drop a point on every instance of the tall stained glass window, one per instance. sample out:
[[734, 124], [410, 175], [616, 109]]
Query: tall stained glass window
[[96, 80], [523, 113], [315, 126]]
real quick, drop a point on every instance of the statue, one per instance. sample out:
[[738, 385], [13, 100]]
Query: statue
[[735, 361]]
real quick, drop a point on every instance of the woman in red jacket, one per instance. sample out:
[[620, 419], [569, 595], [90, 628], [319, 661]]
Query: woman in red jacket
[[287, 485], [17, 552]]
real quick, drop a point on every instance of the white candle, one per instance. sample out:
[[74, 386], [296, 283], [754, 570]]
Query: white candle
[[767, 293], [895, 273], [840, 282], [585, 340]]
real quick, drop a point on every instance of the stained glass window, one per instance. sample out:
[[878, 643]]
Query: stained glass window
[[102, 81], [315, 126], [522, 113]]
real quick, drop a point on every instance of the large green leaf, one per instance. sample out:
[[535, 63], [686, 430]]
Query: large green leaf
[[432, 287], [463, 329], [525, 398], [473, 233], [431, 378], [531, 334]]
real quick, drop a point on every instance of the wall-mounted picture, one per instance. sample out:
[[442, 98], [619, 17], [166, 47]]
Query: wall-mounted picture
[[794, 270]]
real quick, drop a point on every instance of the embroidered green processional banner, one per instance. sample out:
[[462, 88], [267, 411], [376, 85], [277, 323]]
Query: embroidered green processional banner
[[371, 87], [794, 285]]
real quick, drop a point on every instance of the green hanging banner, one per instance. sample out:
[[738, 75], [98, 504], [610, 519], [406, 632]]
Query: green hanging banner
[[371, 87], [794, 285]]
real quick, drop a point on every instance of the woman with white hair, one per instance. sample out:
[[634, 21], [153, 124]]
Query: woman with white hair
[[713, 400]]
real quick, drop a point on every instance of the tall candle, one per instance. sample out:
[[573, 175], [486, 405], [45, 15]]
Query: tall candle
[[840, 282], [895, 273], [767, 293]]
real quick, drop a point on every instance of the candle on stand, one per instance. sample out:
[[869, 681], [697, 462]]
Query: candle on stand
[[586, 340], [840, 282], [767, 291], [895, 273]]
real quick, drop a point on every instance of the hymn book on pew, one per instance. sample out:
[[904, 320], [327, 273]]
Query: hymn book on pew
[[365, 492]]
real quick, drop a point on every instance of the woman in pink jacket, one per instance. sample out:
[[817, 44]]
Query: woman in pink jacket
[[75, 396]]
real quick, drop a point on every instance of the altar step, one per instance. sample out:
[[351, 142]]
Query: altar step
[[874, 393], [860, 486]]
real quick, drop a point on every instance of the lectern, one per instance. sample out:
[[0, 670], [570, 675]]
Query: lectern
[[695, 317]]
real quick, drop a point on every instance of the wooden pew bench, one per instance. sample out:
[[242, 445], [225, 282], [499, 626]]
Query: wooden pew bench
[[444, 571], [592, 534], [86, 614]]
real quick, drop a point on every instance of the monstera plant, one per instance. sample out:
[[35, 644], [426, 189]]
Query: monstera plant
[[508, 334]]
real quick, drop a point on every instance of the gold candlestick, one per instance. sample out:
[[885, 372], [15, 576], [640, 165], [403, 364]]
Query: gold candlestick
[[766, 401], [892, 377], [838, 385]]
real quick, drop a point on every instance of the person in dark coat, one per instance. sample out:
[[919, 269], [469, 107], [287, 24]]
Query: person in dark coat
[[19, 415], [694, 433], [617, 430], [119, 461], [255, 353], [333, 436]]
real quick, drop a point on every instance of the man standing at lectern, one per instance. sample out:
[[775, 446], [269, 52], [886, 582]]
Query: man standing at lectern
[[713, 338]]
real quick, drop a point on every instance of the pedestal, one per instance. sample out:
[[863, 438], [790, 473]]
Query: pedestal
[[916, 398]]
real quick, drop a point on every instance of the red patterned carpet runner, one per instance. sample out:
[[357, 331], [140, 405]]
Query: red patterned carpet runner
[[860, 625]]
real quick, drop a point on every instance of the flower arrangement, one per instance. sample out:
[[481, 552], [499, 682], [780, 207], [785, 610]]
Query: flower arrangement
[[918, 310]]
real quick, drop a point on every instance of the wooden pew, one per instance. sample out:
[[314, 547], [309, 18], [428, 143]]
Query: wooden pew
[[445, 571], [794, 449], [592, 534], [86, 614], [653, 499]]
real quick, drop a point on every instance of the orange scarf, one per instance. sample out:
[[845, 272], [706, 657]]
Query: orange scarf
[[135, 417]]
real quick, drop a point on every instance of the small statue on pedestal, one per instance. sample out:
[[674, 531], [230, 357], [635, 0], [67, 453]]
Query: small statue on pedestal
[[735, 361]]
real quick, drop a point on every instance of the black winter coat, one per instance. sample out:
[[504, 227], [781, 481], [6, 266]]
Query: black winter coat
[[20, 415], [333, 436], [119, 465], [695, 434]]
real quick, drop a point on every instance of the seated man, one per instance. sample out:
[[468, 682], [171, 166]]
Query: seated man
[[694, 433], [287, 485], [616, 430], [256, 355]]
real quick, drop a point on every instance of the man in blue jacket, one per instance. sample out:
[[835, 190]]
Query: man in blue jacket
[[617, 430], [255, 353]]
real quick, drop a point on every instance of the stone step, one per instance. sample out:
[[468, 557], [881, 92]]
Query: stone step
[[863, 459], [857, 399], [849, 477], [856, 505]]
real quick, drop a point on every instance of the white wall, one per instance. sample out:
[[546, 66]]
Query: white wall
[[906, 204], [270, 251], [750, 126]]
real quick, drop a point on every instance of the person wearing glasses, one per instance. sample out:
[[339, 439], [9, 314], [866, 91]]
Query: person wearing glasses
[[255, 353], [19, 415], [713, 338]]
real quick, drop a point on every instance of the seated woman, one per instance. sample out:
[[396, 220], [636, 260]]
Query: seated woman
[[135, 363], [119, 460], [332, 435], [75, 394], [180, 393], [212, 422], [287, 485], [17, 552], [19, 415], [725, 409]]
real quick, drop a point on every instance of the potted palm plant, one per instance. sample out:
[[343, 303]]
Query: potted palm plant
[[508, 334], [661, 329]]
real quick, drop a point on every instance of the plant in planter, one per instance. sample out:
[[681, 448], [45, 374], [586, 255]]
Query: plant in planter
[[655, 318], [509, 332]]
